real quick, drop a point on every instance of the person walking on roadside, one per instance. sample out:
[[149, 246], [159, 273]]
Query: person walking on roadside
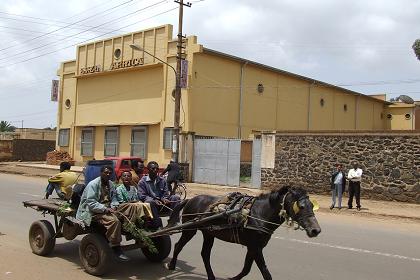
[[338, 185], [355, 177]]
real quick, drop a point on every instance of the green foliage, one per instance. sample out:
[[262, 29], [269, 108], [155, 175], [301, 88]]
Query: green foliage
[[416, 48], [6, 127], [64, 209], [139, 234]]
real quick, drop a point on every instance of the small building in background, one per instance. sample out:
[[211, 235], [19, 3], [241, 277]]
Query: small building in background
[[30, 133]]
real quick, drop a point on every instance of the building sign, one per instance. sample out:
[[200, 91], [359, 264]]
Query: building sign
[[90, 70], [127, 63], [114, 66], [184, 73], [54, 90]]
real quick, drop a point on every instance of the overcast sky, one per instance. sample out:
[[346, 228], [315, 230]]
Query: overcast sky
[[361, 45]]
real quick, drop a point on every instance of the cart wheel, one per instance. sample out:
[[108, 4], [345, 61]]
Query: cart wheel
[[181, 191], [95, 254], [163, 245], [41, 237]]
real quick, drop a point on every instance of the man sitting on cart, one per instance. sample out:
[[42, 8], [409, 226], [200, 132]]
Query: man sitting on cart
[[99, 203], [153, 189], [62, 182]]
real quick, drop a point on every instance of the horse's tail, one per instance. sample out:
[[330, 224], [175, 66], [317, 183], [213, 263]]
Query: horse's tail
[[174, 218]]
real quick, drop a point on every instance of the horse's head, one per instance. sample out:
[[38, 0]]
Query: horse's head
[[300, 208]]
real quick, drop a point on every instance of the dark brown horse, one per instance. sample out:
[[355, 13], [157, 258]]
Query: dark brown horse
[[267, 213]]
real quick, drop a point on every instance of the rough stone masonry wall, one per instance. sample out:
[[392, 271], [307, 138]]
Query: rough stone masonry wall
[[31, 150], [390, 163]]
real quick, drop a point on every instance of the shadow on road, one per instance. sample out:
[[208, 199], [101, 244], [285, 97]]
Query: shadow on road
[[137, 268]]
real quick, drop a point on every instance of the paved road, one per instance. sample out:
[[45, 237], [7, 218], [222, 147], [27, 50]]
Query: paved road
[[348, 248]]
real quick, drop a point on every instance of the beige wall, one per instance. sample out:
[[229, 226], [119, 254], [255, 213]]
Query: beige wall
[[214, 96], [123, 98], [398, 120], [292, 104], [287, 103]]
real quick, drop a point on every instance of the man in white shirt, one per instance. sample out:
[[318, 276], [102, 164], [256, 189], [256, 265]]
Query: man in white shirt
[[355, 177]]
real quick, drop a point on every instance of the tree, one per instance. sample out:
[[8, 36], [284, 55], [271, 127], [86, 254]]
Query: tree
[[6, 127], [416, 48]]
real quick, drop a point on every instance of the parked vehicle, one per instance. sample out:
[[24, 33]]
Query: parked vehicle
[[122, 164]]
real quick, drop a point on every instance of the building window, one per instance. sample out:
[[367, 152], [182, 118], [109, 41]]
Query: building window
[[111, 142], [260, 88], [407, 116], [139, 142], [67, 103], [345, 107], [63, 137], [322, 102], [389, 116], [87, 142], [168, 133]]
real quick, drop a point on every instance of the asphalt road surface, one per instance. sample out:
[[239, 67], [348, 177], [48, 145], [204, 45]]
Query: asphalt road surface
[[348, 248]]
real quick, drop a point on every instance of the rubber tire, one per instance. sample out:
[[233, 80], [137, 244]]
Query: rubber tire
[[181, 191], [44, 231], [163, 244], [97, 263]]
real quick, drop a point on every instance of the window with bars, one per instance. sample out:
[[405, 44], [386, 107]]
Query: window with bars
[[139, 142], [111, 142], [63, 137], [87, 142], [168, 133]]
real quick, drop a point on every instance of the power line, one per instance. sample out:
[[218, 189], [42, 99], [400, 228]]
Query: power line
[[68, 25], [70, 36], [32, 58]]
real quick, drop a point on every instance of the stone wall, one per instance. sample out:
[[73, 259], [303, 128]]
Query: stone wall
[[31, 150], [390, 162]]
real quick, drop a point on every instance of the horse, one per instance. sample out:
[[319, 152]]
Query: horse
[[267, 213]]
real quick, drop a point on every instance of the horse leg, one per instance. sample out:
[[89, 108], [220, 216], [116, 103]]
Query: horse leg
[[259, 260], [249, 259], [208, 241], [185, 237]]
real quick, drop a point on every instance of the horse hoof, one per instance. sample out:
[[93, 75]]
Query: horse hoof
[[169, 266]]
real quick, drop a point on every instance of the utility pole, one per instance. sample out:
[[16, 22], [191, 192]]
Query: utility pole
[[179, 57]]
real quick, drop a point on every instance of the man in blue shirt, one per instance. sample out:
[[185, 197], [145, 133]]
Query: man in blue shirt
[[153, 189], [338, 185]]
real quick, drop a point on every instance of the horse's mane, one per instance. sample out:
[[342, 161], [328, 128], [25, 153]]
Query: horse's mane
[[277, 192]]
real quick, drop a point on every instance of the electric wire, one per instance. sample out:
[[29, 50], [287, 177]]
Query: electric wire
[[70, 36], [68, 25], [99, 36]]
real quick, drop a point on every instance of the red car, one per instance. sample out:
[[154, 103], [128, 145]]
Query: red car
[[122, 164]]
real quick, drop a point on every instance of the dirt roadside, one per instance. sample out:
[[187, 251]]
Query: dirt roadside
[[370, 208]]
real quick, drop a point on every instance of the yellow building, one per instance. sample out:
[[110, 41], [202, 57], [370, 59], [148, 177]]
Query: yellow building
[[115, 100]]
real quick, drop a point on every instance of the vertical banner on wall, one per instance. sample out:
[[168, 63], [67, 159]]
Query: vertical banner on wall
[[184, 73], [54, 90]]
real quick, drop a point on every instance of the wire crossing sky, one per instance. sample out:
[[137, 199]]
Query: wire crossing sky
[[364, 46]]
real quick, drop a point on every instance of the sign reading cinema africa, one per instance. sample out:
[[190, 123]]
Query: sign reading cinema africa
[[114, 66]]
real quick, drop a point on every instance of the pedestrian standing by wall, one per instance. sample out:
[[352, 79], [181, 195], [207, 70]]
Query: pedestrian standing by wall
[[338, 185], [355, 177]]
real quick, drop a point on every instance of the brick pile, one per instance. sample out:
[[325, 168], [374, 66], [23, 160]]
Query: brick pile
[[56, 157]]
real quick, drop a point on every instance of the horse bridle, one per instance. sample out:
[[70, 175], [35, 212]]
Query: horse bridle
[[296, 208]]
